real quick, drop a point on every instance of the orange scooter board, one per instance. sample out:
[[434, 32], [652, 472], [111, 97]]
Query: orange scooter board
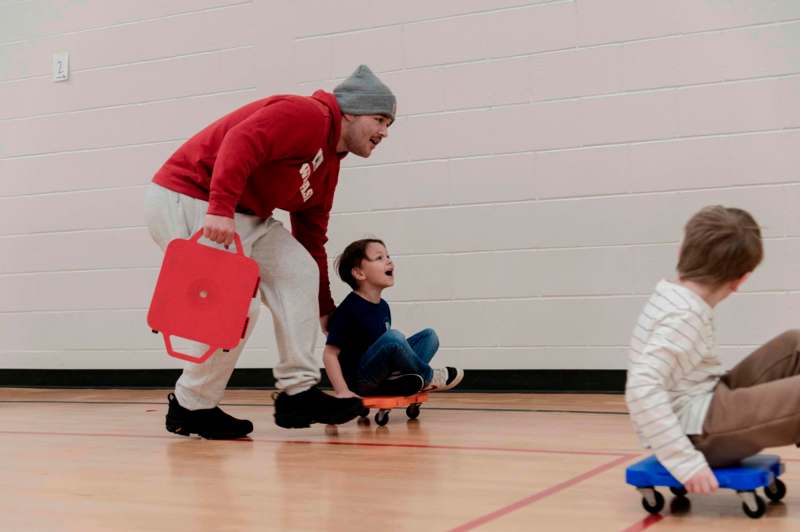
[[203, 294], [385, 403]]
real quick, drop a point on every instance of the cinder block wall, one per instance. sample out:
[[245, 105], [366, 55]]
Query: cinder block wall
[[532, 190]]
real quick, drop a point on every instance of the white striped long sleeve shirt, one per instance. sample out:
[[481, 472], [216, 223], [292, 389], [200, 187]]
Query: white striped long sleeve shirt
[[672, 372]]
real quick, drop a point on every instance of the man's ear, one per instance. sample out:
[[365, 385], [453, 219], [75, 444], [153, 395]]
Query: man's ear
[[738, 282]]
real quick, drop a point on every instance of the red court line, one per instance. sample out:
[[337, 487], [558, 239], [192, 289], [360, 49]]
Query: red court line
[[330, 442], [87, 434], [541, 494], [449, 447], [644, 523]]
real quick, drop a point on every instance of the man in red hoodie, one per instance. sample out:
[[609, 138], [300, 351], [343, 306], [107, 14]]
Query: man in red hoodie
[[281, 152]]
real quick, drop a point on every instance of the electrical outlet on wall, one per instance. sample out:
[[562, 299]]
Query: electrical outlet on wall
[[61, 66]]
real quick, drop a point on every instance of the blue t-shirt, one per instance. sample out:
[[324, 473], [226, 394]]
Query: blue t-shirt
[[355, 325]]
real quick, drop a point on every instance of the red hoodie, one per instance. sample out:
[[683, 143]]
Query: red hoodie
[[274, 153]]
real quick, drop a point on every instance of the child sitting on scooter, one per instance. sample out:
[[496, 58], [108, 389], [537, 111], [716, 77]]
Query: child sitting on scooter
[[363, 354], [692, 413]]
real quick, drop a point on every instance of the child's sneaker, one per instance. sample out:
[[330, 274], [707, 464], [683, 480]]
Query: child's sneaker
[[209, 423], [445, 379], [314, 406], [400, 385]]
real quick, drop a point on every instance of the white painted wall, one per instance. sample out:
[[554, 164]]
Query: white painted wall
[[532, 190]]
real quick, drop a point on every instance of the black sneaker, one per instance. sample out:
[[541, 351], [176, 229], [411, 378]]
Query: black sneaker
[[314, 406], [400, 385], [209, 423]]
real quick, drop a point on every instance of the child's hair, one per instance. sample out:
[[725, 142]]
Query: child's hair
[[720, 244], [351, 257]]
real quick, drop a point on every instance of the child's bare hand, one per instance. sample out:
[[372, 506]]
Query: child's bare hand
[[347, 395], [703, 481]]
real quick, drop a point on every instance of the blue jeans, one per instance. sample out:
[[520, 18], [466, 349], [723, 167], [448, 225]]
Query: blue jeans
[[392, 353]]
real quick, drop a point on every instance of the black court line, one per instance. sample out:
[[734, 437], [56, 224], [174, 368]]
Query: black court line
[[444, 408]]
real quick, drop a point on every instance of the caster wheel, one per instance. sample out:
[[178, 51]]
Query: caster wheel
[[776, 491], [412, 411], [680, 505], [364, 412], [654, 506], [678, 492], [382, 417], [760, 508]]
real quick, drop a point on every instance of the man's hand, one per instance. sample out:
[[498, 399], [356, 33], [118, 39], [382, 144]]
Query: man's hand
[[703, 481], [219, 229], [323, 322]]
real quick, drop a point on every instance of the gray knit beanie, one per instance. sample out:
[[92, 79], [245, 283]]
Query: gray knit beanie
[[364, 94]]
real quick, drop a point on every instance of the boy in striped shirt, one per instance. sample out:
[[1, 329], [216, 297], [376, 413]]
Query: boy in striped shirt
[[684, 406]]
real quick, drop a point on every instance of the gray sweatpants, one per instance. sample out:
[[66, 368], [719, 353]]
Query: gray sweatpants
[[289, 287]]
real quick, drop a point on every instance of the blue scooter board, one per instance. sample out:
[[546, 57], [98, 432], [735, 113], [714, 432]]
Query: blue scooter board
[[759, 471]]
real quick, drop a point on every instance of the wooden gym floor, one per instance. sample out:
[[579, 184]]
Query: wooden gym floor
[[88, 460]]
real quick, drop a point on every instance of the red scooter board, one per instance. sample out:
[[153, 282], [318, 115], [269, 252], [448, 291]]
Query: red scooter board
[[203, 294]]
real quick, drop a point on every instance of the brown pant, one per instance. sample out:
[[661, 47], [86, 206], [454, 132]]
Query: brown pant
[[755, 405]]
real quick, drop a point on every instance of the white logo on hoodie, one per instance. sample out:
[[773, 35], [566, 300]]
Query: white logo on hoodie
[[305, 172]]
